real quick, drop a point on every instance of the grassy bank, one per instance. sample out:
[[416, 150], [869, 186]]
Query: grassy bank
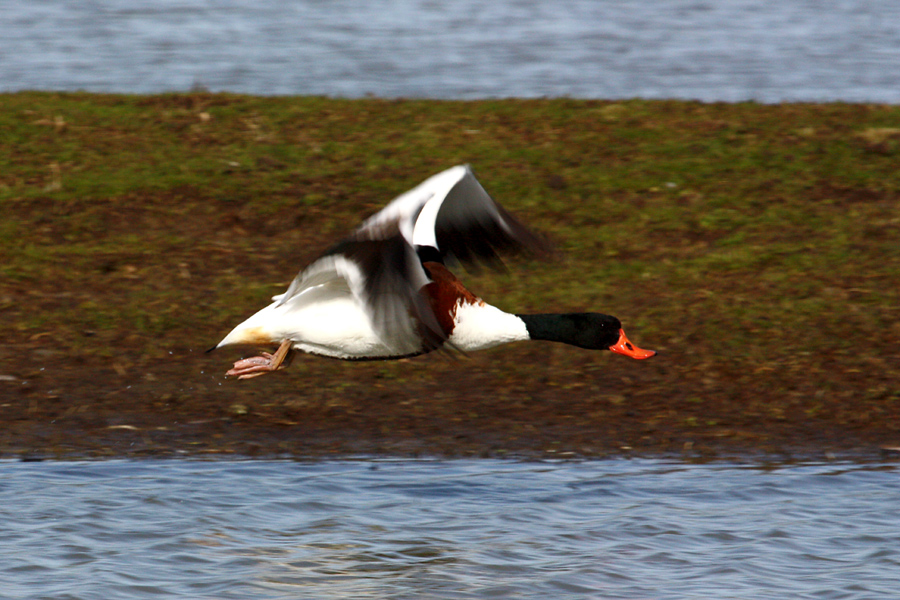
[[756, 247]]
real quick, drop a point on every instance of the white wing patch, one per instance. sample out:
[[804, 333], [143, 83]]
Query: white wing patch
[[419, 204]]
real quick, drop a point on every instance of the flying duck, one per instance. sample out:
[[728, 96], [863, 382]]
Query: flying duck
[[385, 293]]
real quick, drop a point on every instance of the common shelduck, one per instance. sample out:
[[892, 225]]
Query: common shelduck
[[385, 293]]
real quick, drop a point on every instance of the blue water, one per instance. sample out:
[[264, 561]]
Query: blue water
[[645, 529], [817, 50]]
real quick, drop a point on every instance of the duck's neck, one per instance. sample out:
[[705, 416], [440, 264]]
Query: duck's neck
[[594, 331]]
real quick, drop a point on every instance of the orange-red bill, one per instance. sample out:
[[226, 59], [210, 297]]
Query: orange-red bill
[[623, 346]]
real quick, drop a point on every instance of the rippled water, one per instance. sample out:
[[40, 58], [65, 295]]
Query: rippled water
[[704, 49], [447, 529]]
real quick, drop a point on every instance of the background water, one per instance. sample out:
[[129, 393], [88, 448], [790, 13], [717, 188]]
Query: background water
[[447, 529], [705, 49]]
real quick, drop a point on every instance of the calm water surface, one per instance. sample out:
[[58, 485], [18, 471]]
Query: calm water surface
[[448, 529], [705, 49]]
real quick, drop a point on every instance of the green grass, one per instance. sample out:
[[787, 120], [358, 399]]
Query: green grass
[[736, 237]]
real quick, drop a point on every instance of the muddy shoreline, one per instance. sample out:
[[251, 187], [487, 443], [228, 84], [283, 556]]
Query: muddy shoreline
[[428, 406]]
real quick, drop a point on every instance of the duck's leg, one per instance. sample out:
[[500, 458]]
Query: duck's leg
[[248, 368]]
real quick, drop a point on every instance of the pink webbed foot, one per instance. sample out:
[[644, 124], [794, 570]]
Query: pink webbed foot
[[255, 366]]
